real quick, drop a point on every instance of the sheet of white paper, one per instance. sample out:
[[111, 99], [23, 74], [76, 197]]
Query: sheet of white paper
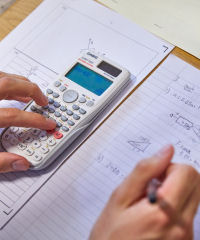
[[46, 43], [176, 21], [165, 109]]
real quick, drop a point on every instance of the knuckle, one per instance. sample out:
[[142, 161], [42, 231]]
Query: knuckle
[[12, 113], [180, 234], [161, 219], [191, 173], [4, 82]]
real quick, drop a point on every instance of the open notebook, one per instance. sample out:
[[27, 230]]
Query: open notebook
[[164, 109]]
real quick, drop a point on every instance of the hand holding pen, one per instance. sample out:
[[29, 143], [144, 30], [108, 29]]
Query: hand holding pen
[[129, 214]]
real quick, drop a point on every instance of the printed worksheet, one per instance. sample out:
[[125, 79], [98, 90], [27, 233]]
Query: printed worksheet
[[45, 44], [176, 21], [164, 109]]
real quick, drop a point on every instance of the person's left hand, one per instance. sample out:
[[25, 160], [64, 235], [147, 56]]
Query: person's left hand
[[14, 87]]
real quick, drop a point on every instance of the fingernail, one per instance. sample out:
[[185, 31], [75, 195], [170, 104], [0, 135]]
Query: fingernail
[[164, 151], [44, 98], [19, 165], [50, 121]]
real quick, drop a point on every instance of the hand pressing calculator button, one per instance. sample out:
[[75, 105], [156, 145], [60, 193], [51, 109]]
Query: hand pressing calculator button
[[75, 99]]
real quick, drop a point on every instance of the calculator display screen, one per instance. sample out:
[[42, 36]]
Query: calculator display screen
[[88, 79]]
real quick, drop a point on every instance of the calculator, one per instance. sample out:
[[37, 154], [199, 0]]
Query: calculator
[[75, 99]]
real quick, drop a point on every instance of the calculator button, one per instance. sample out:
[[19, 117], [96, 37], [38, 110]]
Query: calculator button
[[69, 112], [71, 123], [63, 108], [49, 91], [6, 136], [45, 114], [62, 88], [57, 114], [90, 103], [29, 152], [51, 110], [76, 117], [33, 108], [43, 136], [28, 139], [56, 104], [82, 100], [59, 124], [51, 142], [46, 107], [63, 118], [36, 144], [70, 96], [75, 107], [37, 157], [58, 135], [21, 134], [55, 95], [82, 111], [39, 111], [51, 101], [14, 141], [57, 84], [14, 129], [65, 129], [21, 146], [44, 150], [36, 132]]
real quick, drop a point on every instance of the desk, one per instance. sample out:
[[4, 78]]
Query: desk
[[22, 8]]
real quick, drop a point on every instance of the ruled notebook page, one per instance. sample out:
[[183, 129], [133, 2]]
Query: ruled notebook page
[[165, 109]]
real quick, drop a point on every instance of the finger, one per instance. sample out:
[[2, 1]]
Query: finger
[[23, 99], [12, 88], [19, 118], [134, 186], [178, 185], [11, 162], [3, 74], [191, 206]]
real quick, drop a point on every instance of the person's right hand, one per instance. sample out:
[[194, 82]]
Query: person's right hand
[[14, 87], [129, 215]]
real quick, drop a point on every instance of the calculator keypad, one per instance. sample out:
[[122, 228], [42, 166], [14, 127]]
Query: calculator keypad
[[66, 107]]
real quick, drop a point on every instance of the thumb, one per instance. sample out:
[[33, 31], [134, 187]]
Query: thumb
[[11, 162], [135, 185]]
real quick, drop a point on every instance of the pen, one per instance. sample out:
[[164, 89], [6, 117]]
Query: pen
[[152, 190]]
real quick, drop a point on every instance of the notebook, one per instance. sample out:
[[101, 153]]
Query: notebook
[[164, 109]]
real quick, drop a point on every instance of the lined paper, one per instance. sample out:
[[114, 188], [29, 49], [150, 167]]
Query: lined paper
[[161, 111]]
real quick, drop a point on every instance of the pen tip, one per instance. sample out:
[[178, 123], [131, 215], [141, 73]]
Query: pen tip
[[152, 198]]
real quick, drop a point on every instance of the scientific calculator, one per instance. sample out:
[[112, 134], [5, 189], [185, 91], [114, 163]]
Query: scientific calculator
[[75, 99]]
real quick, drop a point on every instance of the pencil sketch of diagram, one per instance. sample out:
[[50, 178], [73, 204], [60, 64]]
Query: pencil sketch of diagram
[[91, 47], [186, 124], [140, 144]]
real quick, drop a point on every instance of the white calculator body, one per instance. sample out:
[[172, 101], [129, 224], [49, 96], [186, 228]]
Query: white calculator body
[[75, 100]]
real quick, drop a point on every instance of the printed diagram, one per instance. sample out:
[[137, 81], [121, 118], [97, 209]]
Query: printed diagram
[[186, 124], [140, 144], [91, 47], [22, 64]]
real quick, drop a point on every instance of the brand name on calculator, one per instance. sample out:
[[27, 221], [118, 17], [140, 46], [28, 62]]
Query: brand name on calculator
[[92, 55]]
